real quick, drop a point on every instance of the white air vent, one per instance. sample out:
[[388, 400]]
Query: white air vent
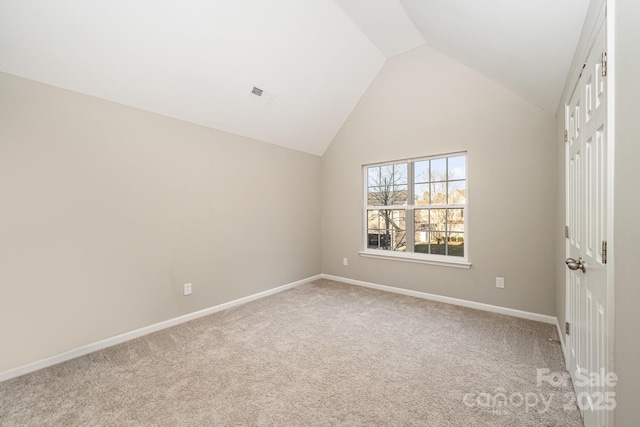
[[261, 94]]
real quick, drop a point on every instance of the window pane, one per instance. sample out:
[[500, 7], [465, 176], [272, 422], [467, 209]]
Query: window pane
[[438, 219], [373, 196], [399, 195], [421, 171], [439, 193], [387, 229], [373, 240], [386, 175], [421, 220], [387, 196], [455, 220], [421, 242], [457, 167], [373, 176], [399, 239], [387, 185], [438, 170], [422, 235], [437, 243], [457, 192], [421, 194], [373, 220], [395, 218], [455, 245], [455, 237], [400, 174], [438, 227], [439, 231]]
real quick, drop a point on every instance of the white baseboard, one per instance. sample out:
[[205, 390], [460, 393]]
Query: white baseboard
[[449, 300], [108, 342]]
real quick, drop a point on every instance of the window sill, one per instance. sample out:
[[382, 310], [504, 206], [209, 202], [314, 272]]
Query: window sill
[[445, 262]]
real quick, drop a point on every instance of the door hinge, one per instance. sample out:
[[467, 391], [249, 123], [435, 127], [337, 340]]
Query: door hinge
[[604, 64], [604, 251], [567, 328], [566, 136], [566, 231]]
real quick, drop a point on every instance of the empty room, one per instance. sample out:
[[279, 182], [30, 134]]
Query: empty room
[[318, 213]]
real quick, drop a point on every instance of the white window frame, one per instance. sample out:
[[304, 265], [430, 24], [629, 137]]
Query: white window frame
[[409, 208]]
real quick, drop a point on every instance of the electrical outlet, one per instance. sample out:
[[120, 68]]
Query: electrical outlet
[[187, 288], [499, 282], [345, 261]]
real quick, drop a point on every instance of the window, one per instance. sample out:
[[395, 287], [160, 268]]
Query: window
[[416, 209]]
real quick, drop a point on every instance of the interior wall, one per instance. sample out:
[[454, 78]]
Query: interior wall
[[107, 211], [424, 103], [626, 250]]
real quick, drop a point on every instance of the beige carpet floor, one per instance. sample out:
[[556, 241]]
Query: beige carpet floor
[[321, 354]]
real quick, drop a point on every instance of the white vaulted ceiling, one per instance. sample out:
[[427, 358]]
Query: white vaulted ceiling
[[197, 60]]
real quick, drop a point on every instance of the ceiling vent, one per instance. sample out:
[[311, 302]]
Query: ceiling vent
[[261, 94]]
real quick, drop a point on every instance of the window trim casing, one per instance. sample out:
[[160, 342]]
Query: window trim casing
[[414, 257]]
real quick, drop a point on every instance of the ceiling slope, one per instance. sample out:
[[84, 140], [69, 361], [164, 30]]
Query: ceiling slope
[[525, 45], [197, 60], [385, 22]]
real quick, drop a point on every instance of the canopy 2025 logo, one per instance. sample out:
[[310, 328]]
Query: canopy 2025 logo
[[600, 381]]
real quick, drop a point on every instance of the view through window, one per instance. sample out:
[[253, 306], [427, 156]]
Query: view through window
[[417, 207]]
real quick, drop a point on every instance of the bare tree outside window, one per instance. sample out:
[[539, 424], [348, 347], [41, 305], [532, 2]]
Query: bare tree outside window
[[387, 186]]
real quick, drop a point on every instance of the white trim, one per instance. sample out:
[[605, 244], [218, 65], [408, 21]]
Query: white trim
[[127, 336], [596, 12], [449, 300], [417, 159], [413, 257], [610, 9], [561, 338]]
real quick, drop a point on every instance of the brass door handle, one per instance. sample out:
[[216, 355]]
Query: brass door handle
[[575, 265]]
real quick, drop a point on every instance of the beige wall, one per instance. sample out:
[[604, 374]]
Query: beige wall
[[106, 211], [627, 211], [424, 103]]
